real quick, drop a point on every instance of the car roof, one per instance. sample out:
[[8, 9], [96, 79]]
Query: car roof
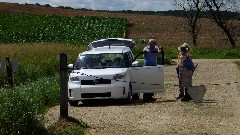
[[112, 42], [107, 49]]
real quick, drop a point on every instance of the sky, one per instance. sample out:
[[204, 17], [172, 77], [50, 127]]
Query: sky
[[112, 5]]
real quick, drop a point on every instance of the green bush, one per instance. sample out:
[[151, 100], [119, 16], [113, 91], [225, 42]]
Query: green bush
[[21, 107], [42, 93], [18, 116]]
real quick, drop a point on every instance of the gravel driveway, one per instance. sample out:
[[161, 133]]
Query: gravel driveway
[[219, 113]]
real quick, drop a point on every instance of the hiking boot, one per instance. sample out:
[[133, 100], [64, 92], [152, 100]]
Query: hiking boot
[[187, 97], [181, 94]]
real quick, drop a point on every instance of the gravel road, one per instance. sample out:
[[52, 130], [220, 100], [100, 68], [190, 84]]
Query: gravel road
[[218, 114]]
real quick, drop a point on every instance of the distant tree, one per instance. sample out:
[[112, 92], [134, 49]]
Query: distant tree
[[192, 10], [47, 5], [60, 7], [37, 4], [224, 19]]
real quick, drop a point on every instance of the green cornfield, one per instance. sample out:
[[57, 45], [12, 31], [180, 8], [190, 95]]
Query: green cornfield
[[26, 28]]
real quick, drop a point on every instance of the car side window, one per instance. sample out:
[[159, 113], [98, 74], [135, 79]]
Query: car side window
[[131, 57], [77, 64], [127, 60]]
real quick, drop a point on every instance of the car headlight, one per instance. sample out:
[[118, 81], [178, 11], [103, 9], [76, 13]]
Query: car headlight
[[119, 76], [75, 78]]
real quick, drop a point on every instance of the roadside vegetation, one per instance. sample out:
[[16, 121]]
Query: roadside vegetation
[[35, 42], [22, 106], [36, 86]]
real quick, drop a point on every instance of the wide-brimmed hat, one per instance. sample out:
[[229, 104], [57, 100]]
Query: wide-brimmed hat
[[184, 45], [152, 41]]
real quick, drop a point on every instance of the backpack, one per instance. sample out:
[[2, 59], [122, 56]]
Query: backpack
[[188, 63]]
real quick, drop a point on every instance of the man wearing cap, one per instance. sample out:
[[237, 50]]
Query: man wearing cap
[[184, 74], [150, 59]]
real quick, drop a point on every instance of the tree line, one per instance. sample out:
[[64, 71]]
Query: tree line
[[176, 13]]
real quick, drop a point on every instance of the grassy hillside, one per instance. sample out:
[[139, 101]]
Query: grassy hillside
[[168, 30]]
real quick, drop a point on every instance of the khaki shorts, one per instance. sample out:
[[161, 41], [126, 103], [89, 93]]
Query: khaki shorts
[[186, 78]]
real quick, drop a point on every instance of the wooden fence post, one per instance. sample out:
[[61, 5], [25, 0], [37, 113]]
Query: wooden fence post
[[63, 86], [9, 71]]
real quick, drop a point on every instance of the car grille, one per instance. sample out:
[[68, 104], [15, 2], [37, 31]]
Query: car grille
[[93, 95], [96, 81]]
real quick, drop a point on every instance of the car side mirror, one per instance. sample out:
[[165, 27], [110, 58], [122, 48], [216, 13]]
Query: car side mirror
[[135, 63], [70, 66]]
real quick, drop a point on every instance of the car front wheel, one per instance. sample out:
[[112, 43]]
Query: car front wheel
[[135, 96], [73, 103], [129, 97]]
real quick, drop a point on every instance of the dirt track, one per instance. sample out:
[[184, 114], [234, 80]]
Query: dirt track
[[219, 113]]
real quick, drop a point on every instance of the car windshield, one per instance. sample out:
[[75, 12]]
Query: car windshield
[[98, 61]]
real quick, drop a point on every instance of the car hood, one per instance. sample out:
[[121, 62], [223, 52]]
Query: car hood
[[99, 72]]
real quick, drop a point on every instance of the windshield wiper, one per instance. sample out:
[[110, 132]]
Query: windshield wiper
[[98, 67]]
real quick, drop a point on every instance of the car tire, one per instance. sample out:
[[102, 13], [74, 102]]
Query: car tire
[[128, 100], [136, 96], [88, 102], [73, 103]]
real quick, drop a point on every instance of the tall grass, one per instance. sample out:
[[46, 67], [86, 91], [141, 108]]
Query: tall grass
[[197, 53], [206, 53], [21, 107], [36, 60], [216, 53]]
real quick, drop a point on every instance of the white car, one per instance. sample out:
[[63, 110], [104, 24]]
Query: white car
[[110, 72]]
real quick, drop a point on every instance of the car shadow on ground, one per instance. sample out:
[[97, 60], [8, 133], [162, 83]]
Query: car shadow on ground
[[108, 102], [114, 102]]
